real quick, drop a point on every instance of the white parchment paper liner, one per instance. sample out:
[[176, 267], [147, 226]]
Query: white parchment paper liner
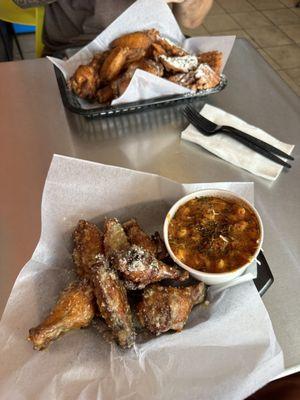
[[142, 15], [226, 351]]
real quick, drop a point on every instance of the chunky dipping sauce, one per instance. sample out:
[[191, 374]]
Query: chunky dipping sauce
[[213, 234]]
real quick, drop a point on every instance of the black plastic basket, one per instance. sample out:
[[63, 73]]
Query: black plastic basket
[[72, 103]]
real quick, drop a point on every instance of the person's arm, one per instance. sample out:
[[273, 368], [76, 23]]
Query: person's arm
[[32, 3], [191, 13]]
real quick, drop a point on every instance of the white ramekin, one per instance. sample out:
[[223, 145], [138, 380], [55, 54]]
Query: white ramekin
[[209, 277]]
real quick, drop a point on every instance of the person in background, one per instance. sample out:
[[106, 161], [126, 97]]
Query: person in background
[[74, 23]]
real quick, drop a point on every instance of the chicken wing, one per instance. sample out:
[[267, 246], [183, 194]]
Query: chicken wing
[[134, 40], [115, 238], [88, 245], [171, 48], [113, 64], [141, 268], [105, 94], [113, 303], [137, 236], [165, 308], [85, 81], [213, 59], [75, 309]]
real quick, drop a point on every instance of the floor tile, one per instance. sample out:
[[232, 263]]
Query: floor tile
[[289, 81], [216, 9], [285, 56], [236, 5], [266, 4], [199, 31], [268, 59], [294, 73], [281, 17], [239, 33], [296, 11], [251, 20], [293, 31], [268, 36], [289, 3], [222, 22]]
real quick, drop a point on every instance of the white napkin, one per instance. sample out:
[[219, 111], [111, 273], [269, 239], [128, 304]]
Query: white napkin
[[233, 151]]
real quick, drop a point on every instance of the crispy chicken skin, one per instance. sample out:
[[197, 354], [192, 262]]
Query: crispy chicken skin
[[88, 245], [75, 309], [213, 59], [85, 81], [137, 236], [165, 308], [105, 95], [113, 64], [113, 303], [115, 238], [140, 267], [134, 40]]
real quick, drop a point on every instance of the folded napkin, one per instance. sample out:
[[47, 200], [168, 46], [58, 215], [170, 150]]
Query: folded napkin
[[233, 151]]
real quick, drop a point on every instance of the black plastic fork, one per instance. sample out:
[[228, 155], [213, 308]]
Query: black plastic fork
[[209, 128]]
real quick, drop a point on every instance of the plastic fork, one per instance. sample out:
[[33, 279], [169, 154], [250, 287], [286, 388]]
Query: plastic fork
[[209, 128]]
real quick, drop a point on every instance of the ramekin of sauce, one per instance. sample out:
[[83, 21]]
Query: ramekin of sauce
[[213, 234]]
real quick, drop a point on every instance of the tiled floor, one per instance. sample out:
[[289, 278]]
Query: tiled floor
[[273, 27]]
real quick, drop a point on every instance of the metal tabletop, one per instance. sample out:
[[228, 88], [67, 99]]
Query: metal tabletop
[[34, 125]]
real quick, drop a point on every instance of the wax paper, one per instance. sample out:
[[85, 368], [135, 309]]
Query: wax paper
[[227, 349]]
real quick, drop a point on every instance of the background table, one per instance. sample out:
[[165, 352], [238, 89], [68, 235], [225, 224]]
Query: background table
[[34, 125]]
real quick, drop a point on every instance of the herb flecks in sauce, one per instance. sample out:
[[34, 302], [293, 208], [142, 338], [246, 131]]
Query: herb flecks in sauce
[[214, 234]]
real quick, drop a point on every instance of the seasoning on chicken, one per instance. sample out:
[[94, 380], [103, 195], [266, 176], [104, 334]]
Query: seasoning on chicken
[[140, 267], [113, 303], [165, 308], [138, 237], [88, 245], [75, 309]]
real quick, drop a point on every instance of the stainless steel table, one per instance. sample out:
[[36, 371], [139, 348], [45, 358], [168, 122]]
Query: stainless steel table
[[34, 125]]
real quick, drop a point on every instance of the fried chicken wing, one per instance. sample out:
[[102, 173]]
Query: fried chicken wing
[[115, 238], [183, 79], [140, 267], [179, 64], [88, 245], [98, 60], [213, 59], [135, 54], [75, 309], [113, 303], [171, 48], [165, 308], [158, 50], [119, 85], [105, 94], [134, 40], [205, 78], [85, 81], [137, 236], [113, 64], [151, 66]]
